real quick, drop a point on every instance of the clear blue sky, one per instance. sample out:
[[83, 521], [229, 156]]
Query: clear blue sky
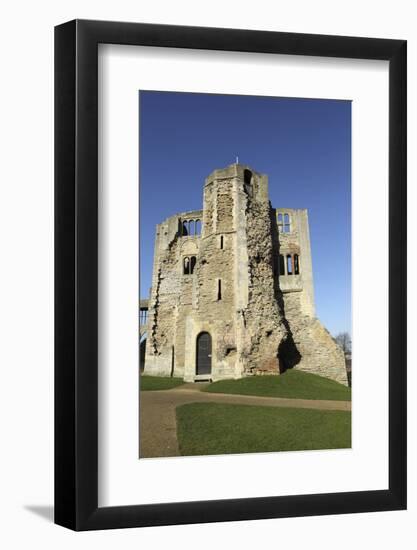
[[304, 145]]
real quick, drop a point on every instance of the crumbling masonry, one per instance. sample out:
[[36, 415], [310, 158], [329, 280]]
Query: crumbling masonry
[[232, 289]]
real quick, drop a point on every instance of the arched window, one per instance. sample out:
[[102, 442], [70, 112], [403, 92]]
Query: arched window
[[197, 227], [281, 265], [289, 264], [296, 264], [184, 228]]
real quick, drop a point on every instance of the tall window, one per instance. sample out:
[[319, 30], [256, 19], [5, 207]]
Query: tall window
[[284, 223], [296, 265], [247, 177], [143, 317], [289, 264], [280, 223], [219, 289], [247, 182], [221, 242]]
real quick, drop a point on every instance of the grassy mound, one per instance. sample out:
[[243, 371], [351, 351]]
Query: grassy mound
[[293, 384], [212, 428], [152, 383]]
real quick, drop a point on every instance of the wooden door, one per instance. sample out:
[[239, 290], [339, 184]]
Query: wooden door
[[203, 353]]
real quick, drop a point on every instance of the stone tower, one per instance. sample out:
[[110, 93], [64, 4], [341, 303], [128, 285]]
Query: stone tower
[[232, 288]]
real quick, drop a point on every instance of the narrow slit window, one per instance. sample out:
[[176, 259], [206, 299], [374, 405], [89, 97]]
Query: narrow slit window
[[296, 265], [221, 242], [281, 265], [289, 265], [219, 289]]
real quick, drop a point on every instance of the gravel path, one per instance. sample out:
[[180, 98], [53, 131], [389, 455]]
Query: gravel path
[[158, 428]]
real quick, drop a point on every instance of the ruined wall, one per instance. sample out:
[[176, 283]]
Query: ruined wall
[[261, 320], [171, 297], [162, 303], [320, 354], [265, 329]]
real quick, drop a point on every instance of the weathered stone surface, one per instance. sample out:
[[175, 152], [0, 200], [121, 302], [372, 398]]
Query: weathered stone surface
[[247, 280]]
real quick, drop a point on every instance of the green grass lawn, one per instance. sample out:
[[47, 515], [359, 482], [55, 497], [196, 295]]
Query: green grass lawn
[[152, 383], [293, 384], [212, 428]]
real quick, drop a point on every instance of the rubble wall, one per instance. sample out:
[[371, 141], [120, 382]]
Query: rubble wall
[[320, 354], [265, 329], [172, 297]]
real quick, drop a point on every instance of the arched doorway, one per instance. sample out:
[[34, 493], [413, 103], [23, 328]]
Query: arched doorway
[[203, 355]]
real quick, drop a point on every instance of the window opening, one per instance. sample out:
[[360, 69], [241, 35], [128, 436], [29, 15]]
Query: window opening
[[289, 265], [296, 264]]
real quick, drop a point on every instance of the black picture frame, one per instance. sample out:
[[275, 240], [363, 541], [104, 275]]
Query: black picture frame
[[76, 272]]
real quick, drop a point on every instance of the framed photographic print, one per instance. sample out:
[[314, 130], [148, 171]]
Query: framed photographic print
[[230, 275]]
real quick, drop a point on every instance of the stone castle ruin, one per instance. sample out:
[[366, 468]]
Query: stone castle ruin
[[232, 289]]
